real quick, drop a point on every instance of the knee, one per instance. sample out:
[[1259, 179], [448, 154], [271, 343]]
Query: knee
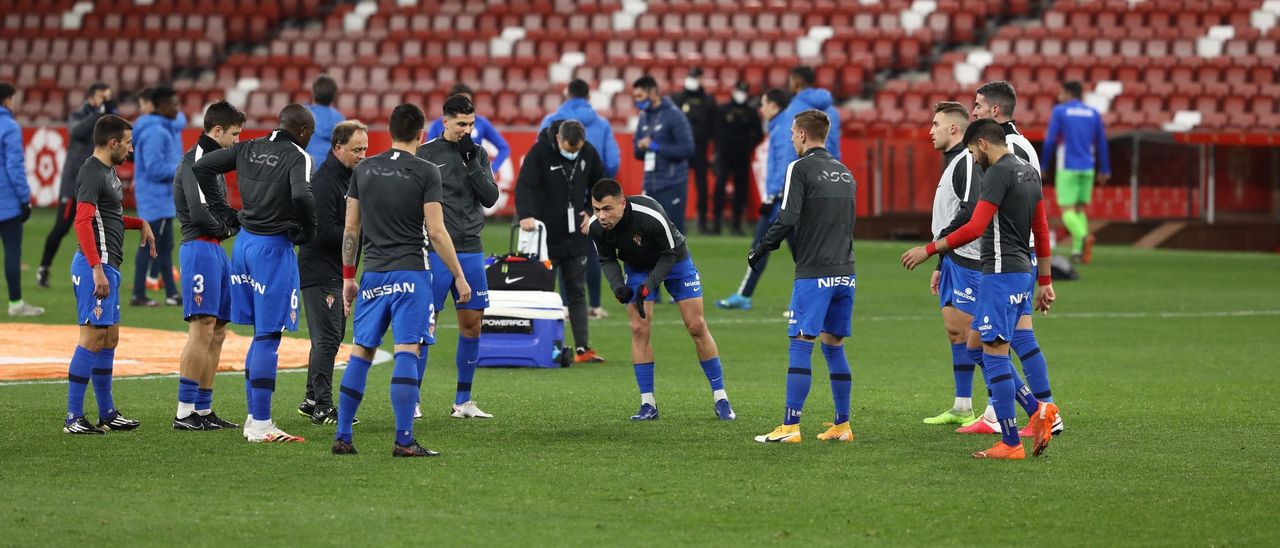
[[955, 334], [697, 328], [639, 331], [218, 336]]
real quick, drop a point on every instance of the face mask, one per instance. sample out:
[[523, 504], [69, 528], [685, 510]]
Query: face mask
[[740, 96], [643, 104], [691, 84], [571, 156]]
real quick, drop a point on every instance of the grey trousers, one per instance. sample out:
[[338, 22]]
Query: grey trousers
[[572, 273], [328, 326]]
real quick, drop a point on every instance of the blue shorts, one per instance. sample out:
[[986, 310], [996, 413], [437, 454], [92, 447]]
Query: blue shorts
[[1001, 301], [264, 283], [401, 299], [822, 305], [90, 310], [682, 282], [442, 281], [206, 280], [958, 286]]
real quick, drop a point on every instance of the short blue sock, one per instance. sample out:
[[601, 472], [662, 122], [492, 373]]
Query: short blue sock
[[78, 373], [204, 399], [999, 372], [715, 374], [644, 377], [262, 374], [187, 390], [1034, 366], [962, 366], [799, 373], [841, 380], [468, 354], [102, 370], [422, 369], [350, 392], [404, 394]]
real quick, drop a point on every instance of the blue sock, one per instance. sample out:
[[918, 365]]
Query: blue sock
[[187, 390], [350, 392], [262, 374], [102, 381], [404, 394], [204, 400], [975, 354], [468, 353], [248, 387], [1034, 366], [962, 366], [422, 369], [999, 371], [841, 380], [78, 373], [715, 374], [798, 378], [644, 377]]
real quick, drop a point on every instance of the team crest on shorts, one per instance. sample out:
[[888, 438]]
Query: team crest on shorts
[[636, 239], [198, 299], [293, 316], [328, 301], [97, 312]]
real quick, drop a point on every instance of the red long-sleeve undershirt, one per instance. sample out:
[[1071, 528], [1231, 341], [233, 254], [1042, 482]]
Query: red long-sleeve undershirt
[[982, 216], [85, 213]]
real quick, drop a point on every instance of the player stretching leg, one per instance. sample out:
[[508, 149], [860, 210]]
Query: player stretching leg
[[817, 210], [959, 272], [274, 175], [1011, 194], [95, 275], [638, 232], [206, 219], [468, 189], [391, 198]]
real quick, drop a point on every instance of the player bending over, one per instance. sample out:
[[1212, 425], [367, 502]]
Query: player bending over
[[391, 198], [95, 276], [817, 210], [636, 230]]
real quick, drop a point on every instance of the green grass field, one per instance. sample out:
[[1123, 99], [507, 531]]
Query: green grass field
[[1164, 364]]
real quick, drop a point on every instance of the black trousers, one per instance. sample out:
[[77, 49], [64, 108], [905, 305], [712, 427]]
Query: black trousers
[[163, 230], [61, 226], [328, 326], [572, 273], [736, 166], [11, 234], [699, 165]]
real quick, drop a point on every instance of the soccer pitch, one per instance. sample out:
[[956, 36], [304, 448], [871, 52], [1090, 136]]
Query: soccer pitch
[[1164, 364]]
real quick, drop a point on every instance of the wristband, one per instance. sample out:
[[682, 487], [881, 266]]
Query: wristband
[[348, 272], [1044, 280], [931, 249]]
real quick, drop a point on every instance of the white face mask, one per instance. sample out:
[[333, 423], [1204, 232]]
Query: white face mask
[[569, 155], [740, 96], [691, 84]]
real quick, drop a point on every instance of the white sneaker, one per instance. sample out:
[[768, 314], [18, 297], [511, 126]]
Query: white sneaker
[[417, 411], [268, 432], [469, 410], [597, 313], [24, 309]]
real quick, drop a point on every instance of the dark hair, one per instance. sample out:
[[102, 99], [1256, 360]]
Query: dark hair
[[572, 132], [345, 129], [605, 188], [144, 93], [985, 129], [406, 121], [778, 97], [951, 108], [458, 104], [1073, 88], [6, 91], [461, 89], [109, 127], [160, 93], [646, 83], [222, 114], [805, 74], [814, 123], [324, 90], [578, 88], [1002, 94], [96, 87]]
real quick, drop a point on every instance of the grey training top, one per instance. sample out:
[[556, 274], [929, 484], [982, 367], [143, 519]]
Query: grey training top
[[819, 205], [97, 184], [468, 189], [391, 188], [1013, 185], [202, 211], [274, 176]]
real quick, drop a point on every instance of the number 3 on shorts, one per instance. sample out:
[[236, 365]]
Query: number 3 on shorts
[[197, 283]]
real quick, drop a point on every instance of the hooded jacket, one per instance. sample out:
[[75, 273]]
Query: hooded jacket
[[550, 184], [157, 145], [14, 190], [781, 152], [599, 132], [672, 140]]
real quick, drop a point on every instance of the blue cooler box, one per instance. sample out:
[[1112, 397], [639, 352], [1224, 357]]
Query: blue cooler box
[[523, 329]]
